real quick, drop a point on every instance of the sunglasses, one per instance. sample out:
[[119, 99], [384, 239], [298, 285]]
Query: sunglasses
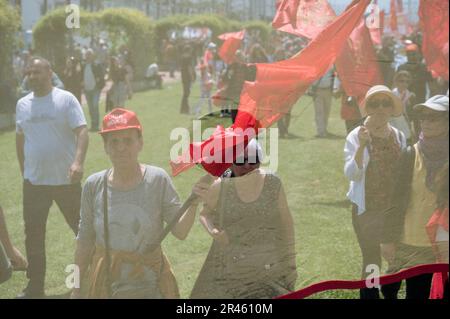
[[374, 104], [250, 161]]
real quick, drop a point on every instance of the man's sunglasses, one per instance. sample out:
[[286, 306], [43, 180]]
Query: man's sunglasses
[[250, 161], [374, 104]]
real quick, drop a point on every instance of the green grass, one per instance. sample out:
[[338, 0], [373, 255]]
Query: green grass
[[311, 170]]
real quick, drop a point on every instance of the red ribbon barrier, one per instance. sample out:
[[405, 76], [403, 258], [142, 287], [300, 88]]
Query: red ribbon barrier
[[359, 284]]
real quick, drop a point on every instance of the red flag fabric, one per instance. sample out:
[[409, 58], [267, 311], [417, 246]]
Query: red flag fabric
[[393, 16], [306, 18], [233, 41], [357, 65], [376, 32], [276, 89], [286, 13], [279, 85], [434, 22]]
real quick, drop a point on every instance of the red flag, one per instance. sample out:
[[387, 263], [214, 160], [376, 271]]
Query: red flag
[[434, 24], [306, 18], [357, 65], [232, 43], [276, 89], [376, 30], [278, 86], [286, 13], [393, 16]]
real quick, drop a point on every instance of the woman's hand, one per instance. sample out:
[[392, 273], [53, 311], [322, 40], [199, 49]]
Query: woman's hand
[[201, 189], [220, 236], [18, 261], [388, 252], [363, 136]]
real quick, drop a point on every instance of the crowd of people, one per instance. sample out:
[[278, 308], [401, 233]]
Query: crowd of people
[[396, 160]]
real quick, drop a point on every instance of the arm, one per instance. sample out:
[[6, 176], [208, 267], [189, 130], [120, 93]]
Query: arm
[[76, 169], [354, 158], [20, 143], [206, 215], [17, 259], [86, 237], [83, 256], [184, 225]]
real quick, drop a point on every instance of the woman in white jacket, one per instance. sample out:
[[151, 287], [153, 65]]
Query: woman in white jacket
[[371, 153]]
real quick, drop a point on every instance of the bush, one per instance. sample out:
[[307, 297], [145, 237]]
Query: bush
[[133, 29], [124, 26], [9, 26], [51, 37], [259, 27]]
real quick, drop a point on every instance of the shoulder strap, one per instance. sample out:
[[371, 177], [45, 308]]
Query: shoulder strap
[[106, 235]]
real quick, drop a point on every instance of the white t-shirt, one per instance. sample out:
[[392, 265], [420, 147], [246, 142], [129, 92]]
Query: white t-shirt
[[50, 144]]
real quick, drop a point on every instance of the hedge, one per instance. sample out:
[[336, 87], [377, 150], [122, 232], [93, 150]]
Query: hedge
[[138, 38], [51, 36], [9, 26], [125, 26]]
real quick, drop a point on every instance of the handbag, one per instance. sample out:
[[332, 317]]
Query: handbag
[[5, 265]]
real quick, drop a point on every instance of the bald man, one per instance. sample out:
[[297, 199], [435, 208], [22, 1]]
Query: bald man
[[51, 144]]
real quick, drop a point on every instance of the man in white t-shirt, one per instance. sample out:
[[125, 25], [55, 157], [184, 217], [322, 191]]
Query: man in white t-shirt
[[51, 142]]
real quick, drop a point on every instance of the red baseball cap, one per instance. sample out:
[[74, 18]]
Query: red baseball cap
[[120, 119]]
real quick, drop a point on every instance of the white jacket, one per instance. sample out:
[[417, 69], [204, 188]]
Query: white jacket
[[356, 175]]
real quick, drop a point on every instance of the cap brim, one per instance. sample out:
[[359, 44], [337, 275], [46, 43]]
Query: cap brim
[[120, 129], [431, 106]]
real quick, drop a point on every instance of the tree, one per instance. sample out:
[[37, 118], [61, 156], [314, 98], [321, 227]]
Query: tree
[[9, 26]]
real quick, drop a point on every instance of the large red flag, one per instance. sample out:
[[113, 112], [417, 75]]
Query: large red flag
[[357, 65], [306, 18], [232, 43], [393, 16], [434, 24], [276, 89]]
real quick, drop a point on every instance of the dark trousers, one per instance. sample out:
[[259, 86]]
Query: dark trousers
[[368, 228], [37, 201], [417, 288], [185, 108]]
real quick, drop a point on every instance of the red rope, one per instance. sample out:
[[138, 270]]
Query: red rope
[[359, 284]]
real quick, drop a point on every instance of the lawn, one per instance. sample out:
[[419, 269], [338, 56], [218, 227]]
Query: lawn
[[311, 170]]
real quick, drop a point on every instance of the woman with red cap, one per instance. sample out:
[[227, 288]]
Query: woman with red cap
[[123, 211]]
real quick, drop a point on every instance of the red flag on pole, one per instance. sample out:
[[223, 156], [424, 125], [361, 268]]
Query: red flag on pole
[[393, 16], [279, 85], [306, 18], [233, 41], [276, 89], [357, 65], [434, 24]]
